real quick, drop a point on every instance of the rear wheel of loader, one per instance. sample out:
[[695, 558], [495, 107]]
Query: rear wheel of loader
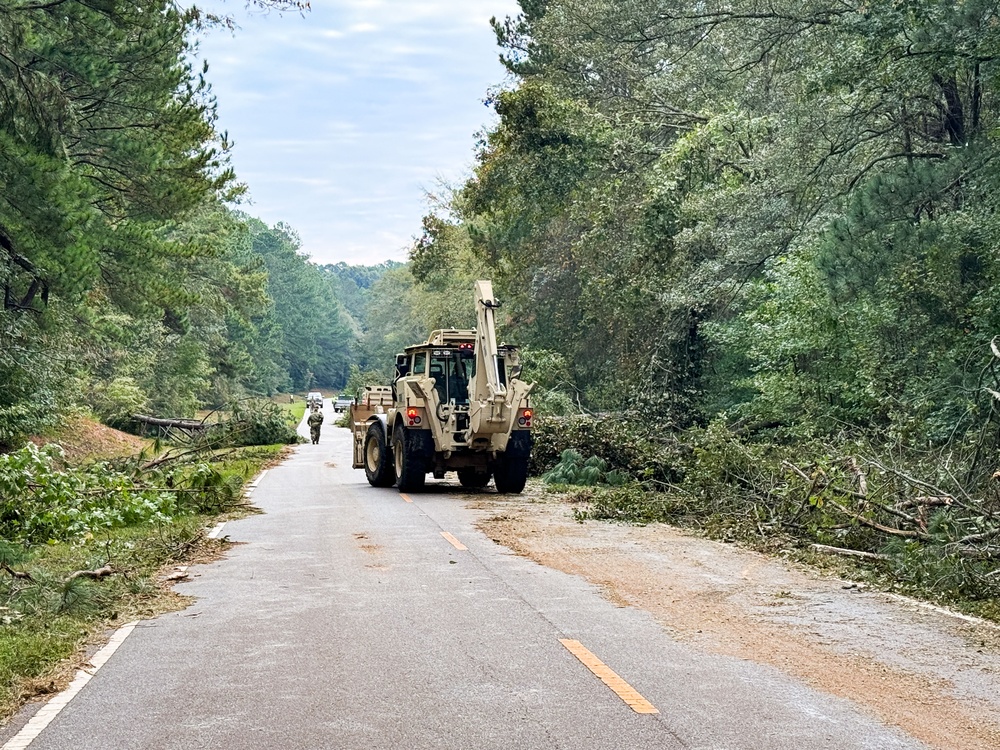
[[408, 454], [473, 478], [378, 465], [511, 472]]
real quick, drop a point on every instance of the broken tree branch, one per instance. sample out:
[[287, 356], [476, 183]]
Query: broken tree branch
[[828, 550], [926, 501], [19, 574], [979, 553], [184, 424], [909, 534], [102, 572]]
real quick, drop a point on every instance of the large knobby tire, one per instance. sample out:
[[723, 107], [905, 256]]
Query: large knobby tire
[[378, 462], [511, 471], [409, 459], [473, 478]]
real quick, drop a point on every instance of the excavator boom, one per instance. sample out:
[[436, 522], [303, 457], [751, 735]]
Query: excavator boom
[[486, 384]]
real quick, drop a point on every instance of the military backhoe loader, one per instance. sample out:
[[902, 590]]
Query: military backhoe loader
[[456, 404]]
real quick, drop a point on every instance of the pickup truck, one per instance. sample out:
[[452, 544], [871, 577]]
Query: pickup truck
[[342, 403]]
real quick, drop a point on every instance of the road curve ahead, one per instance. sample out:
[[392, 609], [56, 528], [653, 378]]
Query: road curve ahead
[[354, 617]]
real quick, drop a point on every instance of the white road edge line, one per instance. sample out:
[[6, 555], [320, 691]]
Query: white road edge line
[[940, 610], [51, 709], [248, 490], [213, 534]]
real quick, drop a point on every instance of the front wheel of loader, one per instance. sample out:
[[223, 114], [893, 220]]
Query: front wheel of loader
[[378, 464], [408, 454]]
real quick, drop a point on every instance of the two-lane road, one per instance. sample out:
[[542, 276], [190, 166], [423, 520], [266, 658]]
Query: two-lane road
[[354, 617]]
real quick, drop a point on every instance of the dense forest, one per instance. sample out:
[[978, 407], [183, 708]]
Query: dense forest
[[758, 239], [766, 233], [130, 282], [781, 211], [784, 212]]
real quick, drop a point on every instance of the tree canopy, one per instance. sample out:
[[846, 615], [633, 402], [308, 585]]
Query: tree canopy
[[784, 211], [128, 282]]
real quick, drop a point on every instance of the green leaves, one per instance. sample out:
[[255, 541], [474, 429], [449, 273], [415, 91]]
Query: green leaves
[[309, 330], [254, 421], [112, 239], [788, 215], [104, 132], [572, 469], [40, 502]]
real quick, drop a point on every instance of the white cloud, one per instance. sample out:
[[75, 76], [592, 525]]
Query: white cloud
[[344, 117]]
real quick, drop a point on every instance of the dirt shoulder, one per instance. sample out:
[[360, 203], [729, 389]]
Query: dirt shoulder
[[935, 676], [84, 440]]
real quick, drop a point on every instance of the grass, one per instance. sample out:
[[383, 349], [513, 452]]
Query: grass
[[48, 620], [295, 411], [294, 404], [27, 653]]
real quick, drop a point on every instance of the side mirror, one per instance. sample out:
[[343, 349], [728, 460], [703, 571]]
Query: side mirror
[[402, 366]]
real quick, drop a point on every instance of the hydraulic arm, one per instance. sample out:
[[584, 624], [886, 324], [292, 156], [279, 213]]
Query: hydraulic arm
[[492, 407]]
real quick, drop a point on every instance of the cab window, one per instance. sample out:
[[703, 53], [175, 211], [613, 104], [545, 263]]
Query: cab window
[[420, 363], [450, 370]]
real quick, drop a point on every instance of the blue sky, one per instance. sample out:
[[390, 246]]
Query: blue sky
[[345, 117]]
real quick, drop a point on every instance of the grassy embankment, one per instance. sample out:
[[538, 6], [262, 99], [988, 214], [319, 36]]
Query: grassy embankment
[[49, 612], [295, 410]]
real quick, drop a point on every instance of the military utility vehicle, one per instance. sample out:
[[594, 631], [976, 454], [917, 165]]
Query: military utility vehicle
[[342, 403], [456, 404]]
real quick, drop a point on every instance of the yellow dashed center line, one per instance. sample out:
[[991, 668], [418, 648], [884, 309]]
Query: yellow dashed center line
[[406, 497], [621, 688], [455, 543]]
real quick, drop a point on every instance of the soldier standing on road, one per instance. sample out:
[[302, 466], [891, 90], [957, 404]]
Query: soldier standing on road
[[315, 421]]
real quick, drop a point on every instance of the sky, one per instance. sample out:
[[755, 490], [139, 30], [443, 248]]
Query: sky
[[345, 117]]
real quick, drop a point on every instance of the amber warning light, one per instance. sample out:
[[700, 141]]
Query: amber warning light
[[524, 420], [413, 415]]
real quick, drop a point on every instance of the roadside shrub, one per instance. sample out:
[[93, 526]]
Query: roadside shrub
[[40, 502], [642, 451], [573, 469], [25, 418], [43, 501], [117, 401], [255, 421]]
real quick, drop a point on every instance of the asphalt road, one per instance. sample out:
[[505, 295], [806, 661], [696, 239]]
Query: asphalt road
[[345, 618]]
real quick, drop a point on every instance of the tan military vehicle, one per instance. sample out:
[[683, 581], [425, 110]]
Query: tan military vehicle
[[456, 404]]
